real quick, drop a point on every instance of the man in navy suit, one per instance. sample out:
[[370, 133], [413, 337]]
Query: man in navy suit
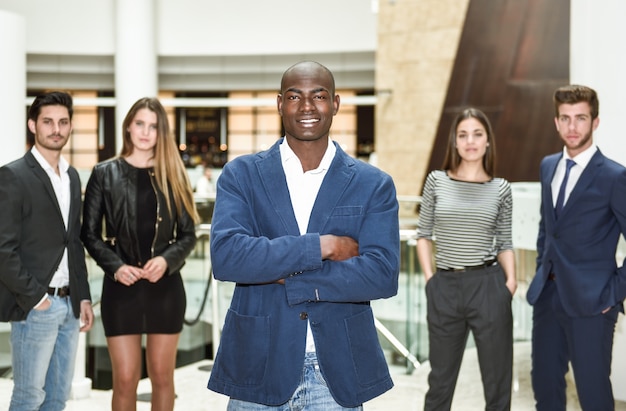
[[578, 289], [44, 292], [309, 235]]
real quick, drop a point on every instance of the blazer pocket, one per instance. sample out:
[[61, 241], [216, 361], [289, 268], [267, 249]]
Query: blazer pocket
[[347, 211], [367, 356], [345, 220], [244, 358]]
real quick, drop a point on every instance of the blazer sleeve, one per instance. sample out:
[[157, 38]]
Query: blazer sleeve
[[373, 274], [80, 285], [15, 276], [241, 251], [541, 236], [618, 205]]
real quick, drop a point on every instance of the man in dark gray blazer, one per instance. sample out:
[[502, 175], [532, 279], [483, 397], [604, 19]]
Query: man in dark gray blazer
[[44, 291]]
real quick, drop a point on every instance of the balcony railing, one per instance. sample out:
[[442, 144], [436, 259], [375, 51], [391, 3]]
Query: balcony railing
[[401, 320]]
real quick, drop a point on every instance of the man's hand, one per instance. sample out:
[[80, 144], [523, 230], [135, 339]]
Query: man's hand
[[335, 248], [338, 248], [86, 315], [44, 305]]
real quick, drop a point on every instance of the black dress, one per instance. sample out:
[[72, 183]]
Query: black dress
[[144, 307]]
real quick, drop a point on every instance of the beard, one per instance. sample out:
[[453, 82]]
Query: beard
[[584, 142], [54, 142]]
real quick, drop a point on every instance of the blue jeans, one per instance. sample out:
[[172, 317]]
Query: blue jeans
[[43, 349], [311, 395]]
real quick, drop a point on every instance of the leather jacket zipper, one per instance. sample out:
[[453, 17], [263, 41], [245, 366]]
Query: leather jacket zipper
[[158, 214]]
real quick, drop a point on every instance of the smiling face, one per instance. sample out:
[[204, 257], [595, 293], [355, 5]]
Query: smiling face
[[307, 102], [143, 130], [575, 126]]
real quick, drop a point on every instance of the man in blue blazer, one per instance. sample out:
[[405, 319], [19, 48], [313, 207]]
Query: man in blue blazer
[[578, 289], [310, 236], [44, 291]]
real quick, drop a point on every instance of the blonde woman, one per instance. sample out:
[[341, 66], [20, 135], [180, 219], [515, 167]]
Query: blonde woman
[[146, 201]]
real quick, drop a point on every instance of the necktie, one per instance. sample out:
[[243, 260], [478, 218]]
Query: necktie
[[561, 197]]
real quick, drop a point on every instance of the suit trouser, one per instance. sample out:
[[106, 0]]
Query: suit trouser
[[586, 342], [457, 303]]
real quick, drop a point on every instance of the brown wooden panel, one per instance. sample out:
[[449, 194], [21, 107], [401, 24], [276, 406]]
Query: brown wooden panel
[[525, 130], [511, 57]]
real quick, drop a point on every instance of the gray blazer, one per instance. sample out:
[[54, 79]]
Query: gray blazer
[[33, 237]]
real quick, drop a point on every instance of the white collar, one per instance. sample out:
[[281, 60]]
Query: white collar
[[583, 158], [63, 164], [287, 154]]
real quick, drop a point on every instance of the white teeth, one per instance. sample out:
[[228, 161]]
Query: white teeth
[[309, 121]]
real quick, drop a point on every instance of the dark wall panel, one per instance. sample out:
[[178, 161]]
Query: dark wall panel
[[511, 57]]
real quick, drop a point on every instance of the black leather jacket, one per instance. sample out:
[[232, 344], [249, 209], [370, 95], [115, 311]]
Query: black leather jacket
[[111, 194]]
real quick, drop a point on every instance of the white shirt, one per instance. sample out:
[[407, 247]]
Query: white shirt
[[303, 189], [61, 185], [581, 161]]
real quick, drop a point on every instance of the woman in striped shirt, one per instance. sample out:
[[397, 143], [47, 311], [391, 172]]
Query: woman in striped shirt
[[465, 250]]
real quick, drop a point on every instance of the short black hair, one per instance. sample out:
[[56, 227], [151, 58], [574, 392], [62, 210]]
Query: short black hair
[[53, 98]]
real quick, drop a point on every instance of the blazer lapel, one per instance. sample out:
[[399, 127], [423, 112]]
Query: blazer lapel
[[585, 180], [551, 166], [45, 180], [274, 183], [75, 197], [340, 173]]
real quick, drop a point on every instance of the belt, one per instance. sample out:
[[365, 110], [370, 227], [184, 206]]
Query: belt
[[59, 292], [471, 268]]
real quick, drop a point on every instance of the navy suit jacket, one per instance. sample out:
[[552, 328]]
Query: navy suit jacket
[[580, 246], [33, 237], [255, 241]]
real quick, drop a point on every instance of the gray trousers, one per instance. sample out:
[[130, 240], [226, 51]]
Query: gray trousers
[[458, 302]]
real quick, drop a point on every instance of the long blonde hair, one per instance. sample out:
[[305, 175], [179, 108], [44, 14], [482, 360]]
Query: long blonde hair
[[169, 169]]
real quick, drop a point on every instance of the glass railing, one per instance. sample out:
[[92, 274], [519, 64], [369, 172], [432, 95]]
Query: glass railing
[[405, 314], [401, 320], [195, 342]]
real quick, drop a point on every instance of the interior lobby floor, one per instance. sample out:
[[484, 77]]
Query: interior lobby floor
[[407, 395]]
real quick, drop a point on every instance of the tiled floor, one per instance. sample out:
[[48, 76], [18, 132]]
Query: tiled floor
[[407, 395]]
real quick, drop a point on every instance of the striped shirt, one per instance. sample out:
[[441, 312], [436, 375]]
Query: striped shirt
[[469, 222]]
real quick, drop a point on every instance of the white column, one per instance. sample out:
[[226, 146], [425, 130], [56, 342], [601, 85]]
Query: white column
[[81, 385], [597, 60], [13, 86], [136, 71]]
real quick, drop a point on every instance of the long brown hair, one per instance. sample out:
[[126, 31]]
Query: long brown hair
[[169, 169], [452, 158]]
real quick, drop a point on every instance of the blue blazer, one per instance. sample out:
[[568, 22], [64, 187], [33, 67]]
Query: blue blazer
[[580, 246], [255, 241]]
